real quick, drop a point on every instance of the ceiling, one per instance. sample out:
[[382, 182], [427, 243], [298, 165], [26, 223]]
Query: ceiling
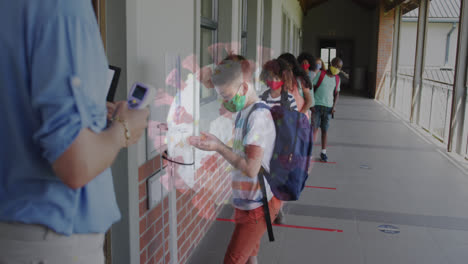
[[407, 5]]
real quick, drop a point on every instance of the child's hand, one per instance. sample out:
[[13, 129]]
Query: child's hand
[[205, 141]]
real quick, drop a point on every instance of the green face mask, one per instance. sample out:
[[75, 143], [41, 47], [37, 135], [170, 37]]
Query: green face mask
[[236, 104], [334, 70]]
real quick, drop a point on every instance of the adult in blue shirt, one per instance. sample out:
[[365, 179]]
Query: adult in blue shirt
[[56, 192]]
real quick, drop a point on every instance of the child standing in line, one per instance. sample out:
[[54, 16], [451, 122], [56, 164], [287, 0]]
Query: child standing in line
[[252, 149], [300, 85], [274, 74], [309, 63], [326, 91]]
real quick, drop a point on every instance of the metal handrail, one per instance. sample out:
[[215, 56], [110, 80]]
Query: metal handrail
[[406, 75], [428, 80], [438, 130], [439, 82]]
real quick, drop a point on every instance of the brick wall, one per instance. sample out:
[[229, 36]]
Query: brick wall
[[153, 240], [197, 208], [384, 49]]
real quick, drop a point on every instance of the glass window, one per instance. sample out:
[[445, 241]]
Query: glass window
[[327, 54], [332, 54], [208, 38], [244, 28], [284, 33], [207, 9]]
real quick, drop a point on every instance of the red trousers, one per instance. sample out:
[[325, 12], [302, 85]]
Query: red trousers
[[250, 227]]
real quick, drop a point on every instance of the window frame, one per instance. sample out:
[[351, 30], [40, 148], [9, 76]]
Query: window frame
[[329, 59], [244, 21], [209, 24]]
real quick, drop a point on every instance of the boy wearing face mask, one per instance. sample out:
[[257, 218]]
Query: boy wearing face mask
[[252, 149], [326, 95], [273, 75]]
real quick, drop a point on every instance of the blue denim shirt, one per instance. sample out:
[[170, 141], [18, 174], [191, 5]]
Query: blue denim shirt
[[53, 84]]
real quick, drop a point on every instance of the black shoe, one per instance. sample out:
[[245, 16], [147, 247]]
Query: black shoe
[[323, 157]]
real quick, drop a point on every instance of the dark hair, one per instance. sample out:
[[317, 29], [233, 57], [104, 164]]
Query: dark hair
[[336, 61], [234, 57], [296, 69], [278, 67], [241, 66], [309, 57]]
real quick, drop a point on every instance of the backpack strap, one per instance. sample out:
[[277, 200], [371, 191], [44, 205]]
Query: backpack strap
[[266, 208], [337, 78], [254, 107], [264, 96], [285, 99], [320, 80]]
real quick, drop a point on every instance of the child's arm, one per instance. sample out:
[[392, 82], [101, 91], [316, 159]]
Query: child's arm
[[250, 165], [307, 100], [336, 94]]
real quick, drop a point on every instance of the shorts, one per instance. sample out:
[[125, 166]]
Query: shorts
[[249, 229], [322, 117]]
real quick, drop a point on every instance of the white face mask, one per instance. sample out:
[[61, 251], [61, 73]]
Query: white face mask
[[319, 66]]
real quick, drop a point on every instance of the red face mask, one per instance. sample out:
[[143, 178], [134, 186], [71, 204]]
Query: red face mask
[[275, 85], [305, 66]]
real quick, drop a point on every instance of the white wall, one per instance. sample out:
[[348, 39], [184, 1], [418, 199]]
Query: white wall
[[436, 44], [293, 10]]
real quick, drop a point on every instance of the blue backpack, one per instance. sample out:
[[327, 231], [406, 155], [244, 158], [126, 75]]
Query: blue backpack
[[290, 162]]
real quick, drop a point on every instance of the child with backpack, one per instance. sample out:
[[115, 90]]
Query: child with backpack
[[309, 63], [270, 156], [274, 74], [300, 85], [252, 150], [326, 92]]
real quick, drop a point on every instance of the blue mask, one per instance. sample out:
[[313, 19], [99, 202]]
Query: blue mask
[[318, 66]]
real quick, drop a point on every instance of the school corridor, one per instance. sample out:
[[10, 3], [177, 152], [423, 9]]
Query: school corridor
[[395, 188], [387, 195]]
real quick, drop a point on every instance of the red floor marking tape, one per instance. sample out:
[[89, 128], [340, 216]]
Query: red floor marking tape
[[292, 226], [311, 228], [317, 187]]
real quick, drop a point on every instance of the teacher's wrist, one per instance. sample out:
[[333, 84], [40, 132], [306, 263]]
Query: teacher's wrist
[[117, 131]]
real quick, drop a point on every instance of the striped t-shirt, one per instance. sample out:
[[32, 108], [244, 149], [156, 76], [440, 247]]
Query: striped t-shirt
[[270, 101], [246, 192]]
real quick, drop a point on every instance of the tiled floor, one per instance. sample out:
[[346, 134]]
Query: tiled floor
[[384, 174]]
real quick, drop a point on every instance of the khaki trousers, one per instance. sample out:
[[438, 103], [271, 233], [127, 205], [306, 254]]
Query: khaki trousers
[[36, 244]]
